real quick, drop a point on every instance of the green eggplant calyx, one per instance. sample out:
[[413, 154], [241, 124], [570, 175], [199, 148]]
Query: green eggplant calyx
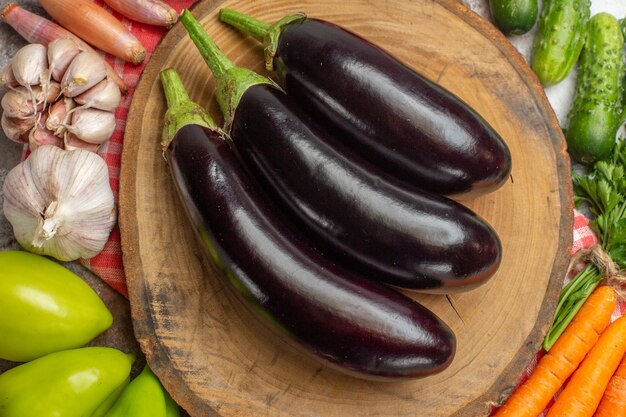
[[232, 82], [232, 86], [181, 111], [261, 31], [270, 41]]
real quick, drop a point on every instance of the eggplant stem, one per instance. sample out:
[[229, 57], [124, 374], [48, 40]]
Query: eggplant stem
[[246, 24], [214, 58], [181, 111]]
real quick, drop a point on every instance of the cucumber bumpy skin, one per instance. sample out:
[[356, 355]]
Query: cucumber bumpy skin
[[560, 38], [597, 112], [514, 17]]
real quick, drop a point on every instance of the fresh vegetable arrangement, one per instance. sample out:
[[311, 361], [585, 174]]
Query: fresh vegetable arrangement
[[322, 67], [354, 210], [279, 274]]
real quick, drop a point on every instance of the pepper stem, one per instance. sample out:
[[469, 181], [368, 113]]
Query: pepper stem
[[231, 81], [181, 111], [245, 23]]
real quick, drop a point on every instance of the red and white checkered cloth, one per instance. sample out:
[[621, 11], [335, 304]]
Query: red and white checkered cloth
[[108, 264]]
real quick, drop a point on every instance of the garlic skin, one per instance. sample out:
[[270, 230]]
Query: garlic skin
[[105, 95], [29, 63], [86, 70], [18, 103], [7, 79], [61, 52], [92, 125], [72, 143], [40, 135], [60, 203], [16, 129], [59, 115]]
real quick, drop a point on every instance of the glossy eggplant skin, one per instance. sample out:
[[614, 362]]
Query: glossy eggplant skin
[[360, 327], [409, 126], [375, 224]]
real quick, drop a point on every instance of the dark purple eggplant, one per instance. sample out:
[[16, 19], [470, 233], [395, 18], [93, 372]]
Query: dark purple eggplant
[[372, 223], [357, 325], [408, 125]]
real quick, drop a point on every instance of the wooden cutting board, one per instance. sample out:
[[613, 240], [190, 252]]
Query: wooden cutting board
[[216, 359]]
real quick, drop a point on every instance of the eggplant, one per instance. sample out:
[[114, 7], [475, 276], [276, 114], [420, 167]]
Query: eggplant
[[372, 223], [358, 326], [408, 125]]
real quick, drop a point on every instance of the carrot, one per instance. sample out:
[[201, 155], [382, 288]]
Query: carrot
[[583, 393], [613, 403], [530, 399], [98, 27], [37, 29]]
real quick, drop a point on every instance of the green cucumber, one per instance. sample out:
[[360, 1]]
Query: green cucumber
[[560, 38], [597, 112], [514, 17]]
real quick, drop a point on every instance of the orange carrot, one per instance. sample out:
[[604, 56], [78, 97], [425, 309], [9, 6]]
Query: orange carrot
[[583, 392], [37, 29], [613, 403], [530, 399], [96, 26]]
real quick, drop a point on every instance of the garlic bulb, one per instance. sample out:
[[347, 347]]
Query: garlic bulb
[[60, 203], [86, 70]]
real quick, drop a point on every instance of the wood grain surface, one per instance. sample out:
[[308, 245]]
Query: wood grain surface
[[216, 359]]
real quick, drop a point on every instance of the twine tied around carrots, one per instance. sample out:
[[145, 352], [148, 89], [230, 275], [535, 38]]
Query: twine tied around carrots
[[612, 275]]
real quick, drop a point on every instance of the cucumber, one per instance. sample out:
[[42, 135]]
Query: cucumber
[[560, 38], [514, 17], [597, 111]]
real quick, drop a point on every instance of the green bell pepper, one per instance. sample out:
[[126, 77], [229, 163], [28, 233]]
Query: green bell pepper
[[144, 397], [45, 308], [70, 383]]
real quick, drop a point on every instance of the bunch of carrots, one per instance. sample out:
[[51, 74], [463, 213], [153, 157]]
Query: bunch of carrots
[[591, 351]]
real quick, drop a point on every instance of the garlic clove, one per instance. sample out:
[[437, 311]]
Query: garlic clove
[[105, 95], [60, 203], [40, 135], [59, 115], [7, 79], [61, 52], [47, 94], [86, 70], [18, 102], [17, 129], [72, 143], [92, 125], [29, 63]]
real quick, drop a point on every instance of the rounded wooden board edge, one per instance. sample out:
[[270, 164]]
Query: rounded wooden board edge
[[155, 353], [509, 378]]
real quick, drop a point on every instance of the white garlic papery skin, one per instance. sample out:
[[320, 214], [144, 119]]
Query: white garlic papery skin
[[60, 203], [7, 78], [16, 129], [29, 63], [92, 125], [86, 70], [40, 135], [105, 95], [61, 52], [18, 102], [72, 143], [58, 115]]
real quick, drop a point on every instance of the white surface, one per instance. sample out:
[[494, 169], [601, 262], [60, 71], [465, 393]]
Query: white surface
[[560, 95]]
